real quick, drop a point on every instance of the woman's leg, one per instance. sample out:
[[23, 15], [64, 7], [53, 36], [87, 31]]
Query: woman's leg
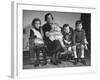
[[53, 59], [57, 57], [56, 51]]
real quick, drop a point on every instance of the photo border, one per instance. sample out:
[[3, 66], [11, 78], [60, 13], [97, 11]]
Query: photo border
[[17, 41]]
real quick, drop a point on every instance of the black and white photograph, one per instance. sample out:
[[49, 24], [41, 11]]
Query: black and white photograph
[[54, 39]]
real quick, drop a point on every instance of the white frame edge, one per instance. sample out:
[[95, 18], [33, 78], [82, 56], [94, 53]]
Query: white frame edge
[[14, 36]]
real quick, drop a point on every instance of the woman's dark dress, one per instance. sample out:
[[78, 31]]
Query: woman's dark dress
[[53, 46]]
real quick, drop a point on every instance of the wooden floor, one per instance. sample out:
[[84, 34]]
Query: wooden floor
[[28, 63]]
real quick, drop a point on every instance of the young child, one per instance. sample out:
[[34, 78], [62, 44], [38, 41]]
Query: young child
[[79, 41], [67, 38], [35, 34], [55, 34]]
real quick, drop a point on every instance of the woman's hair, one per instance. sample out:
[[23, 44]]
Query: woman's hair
[[65, 25], [34, 20], [78, 22], [48, 15]]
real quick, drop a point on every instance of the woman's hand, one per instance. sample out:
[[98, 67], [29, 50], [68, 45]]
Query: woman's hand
[[47, 34]]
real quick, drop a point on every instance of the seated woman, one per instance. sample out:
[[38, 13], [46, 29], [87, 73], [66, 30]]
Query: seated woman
[[54, 46], [38, 43]]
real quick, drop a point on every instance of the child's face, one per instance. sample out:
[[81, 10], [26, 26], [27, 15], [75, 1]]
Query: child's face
[[37, 24], [79, 27], [66, 29], [66, 37]]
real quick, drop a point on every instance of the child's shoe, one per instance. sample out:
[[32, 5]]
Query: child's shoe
[[76, 61], [36, 63], [44, 63], [83, 61]]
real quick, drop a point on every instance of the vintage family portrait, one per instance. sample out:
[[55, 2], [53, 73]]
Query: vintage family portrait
[[53, 39]]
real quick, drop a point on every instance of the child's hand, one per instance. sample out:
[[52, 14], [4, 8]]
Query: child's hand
[[86, 42], [66, 41], [86, 47], [69, 42]]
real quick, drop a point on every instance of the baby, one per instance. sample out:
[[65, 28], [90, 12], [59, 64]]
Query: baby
[[55, 34]]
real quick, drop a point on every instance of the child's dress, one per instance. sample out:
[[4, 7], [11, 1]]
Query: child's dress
[[39, 46], [38, 39], [55, 32]]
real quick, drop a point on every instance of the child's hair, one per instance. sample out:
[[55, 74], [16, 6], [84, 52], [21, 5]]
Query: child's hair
[[48, 15], [65, 25], [34, 20], [78, 22]]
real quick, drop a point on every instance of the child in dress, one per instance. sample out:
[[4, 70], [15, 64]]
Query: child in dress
[[35, 35]]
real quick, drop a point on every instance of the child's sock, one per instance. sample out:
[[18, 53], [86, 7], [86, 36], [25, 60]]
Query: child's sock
[[82, 56], [75, 54]]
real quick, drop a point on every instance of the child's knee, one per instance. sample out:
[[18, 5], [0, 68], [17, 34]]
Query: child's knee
[[69, 49], [74, 48], [82, 47]]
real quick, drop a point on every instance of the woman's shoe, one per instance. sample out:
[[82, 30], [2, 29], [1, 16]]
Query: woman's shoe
[[55, 63], [44, 63]]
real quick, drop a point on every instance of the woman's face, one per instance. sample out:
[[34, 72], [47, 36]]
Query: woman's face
[[37, 24], [49, 19]]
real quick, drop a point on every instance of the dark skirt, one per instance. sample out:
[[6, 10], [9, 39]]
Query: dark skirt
[[53, 47]]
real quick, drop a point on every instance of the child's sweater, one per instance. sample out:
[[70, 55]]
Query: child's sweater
[[79, 36]]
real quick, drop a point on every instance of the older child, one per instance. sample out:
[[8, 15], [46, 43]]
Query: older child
[[35, 34], [79, 42]]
